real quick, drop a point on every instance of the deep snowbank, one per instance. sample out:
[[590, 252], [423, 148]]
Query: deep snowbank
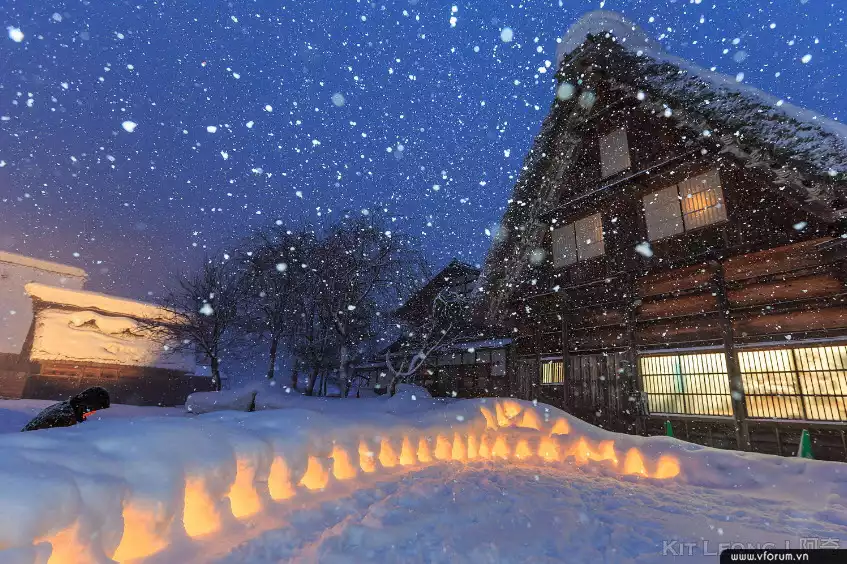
[[128, 490]]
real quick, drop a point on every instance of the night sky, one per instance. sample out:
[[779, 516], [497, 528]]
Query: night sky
[[253, 111]]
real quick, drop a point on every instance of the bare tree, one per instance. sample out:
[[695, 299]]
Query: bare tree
[[275, 277], [207, 307], [445, 325], [365, 269]]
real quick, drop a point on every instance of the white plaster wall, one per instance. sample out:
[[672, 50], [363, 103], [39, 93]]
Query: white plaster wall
[[16, 306]]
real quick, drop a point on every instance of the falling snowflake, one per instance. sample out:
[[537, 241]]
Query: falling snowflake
[[15, 34]]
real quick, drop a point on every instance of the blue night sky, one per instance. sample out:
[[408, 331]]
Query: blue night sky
[[352, 105]]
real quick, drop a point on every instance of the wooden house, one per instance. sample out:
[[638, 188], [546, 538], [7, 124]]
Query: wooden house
[[472, 366], [674, 250]]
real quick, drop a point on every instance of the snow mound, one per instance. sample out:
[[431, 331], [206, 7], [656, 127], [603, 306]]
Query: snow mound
[[410, 392], [154, 489]]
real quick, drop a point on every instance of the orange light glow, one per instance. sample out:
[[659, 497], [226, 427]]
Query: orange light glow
[[530, 420], [316, 477], [387, 456], [501, 449], [200, 514], [279, 480], [424, 455], [580, 451], [342, 468], [605, 451], [667, 467], [367, 458], [243, 498], [502, 420], [443, 448], [522, 450], [548, 449], [88, 414], [511, 408], [473, 447], [490, 421], [634, 463], [66, 547], [459, 451], [484, 449], [407, 453], [141, 536], [560, 427]]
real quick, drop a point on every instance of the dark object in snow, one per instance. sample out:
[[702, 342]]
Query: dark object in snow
[[71, 411]]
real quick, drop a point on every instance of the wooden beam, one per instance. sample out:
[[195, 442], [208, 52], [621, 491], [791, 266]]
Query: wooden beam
[[736, 384], [566, 356], [634, 387]]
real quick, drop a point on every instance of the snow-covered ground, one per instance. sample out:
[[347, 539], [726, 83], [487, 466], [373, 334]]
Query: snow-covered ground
[[402, 479], [15, 413]]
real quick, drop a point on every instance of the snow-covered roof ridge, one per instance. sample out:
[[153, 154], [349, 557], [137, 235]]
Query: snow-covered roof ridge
[[604, 21], [811, 137], [99, 302], [23, 260]]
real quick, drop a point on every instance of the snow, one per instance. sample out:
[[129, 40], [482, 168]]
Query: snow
[[87, 336], [809, 136], [15, 413], [98, 302], [342, 480], [38, 264]]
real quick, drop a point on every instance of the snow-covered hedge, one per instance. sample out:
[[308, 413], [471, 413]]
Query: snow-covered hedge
[[147, 488]]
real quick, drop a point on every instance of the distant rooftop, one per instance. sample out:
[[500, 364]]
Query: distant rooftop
[[113, 305], [21, 260]]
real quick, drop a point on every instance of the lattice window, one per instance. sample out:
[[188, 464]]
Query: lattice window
[[614, 152], [691, 204], [691, 384], [577, 241], [799, 383], [552, 373]]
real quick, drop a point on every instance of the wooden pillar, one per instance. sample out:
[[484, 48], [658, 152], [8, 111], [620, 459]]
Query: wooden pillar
[[510, 367], [736, 384], [634, 386], [566, 358]]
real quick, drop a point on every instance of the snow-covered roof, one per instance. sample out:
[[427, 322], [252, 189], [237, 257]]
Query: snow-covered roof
[[97, 302], [795, 132], [803, 155], [21, 260]]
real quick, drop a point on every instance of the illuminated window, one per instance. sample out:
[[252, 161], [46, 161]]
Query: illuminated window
[[801, 383], [691, 204], [577, 241], [614, 152], [691, 384], [552, 373]]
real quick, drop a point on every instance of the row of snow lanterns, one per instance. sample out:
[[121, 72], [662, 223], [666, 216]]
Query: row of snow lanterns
[[201, 516]]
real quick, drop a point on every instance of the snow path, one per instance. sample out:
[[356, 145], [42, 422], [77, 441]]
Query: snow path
[[491, 513], [393, 480]]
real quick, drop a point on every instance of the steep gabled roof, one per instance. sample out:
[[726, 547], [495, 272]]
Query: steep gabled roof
[[802, 153], [456, 272], [38, 264]]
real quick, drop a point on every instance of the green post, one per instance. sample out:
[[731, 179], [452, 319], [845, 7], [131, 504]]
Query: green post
[[668, 429], [805, 448]]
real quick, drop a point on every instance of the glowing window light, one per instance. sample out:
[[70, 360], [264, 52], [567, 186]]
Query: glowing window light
[[552, 373], [690, 384]]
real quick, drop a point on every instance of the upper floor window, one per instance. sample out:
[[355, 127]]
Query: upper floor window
[[693, 203], [577, 241], [614, 152]]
